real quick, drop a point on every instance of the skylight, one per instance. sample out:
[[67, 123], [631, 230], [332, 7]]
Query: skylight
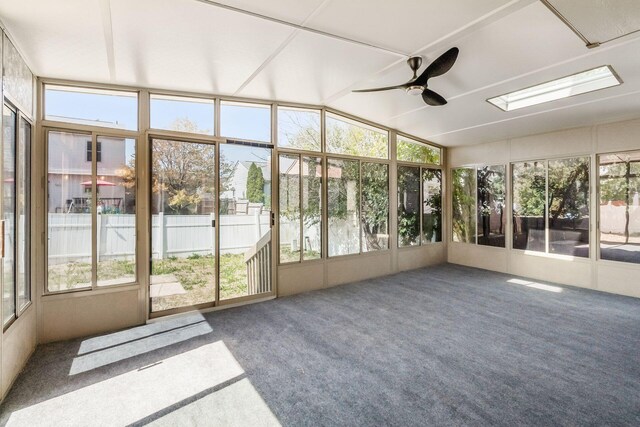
[[575, 84]]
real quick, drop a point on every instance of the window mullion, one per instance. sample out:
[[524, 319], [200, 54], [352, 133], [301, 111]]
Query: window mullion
[[94, 213], [300, 207]]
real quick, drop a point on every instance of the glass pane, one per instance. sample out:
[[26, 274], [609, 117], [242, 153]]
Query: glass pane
[[569, 207], [491, 206], [245, 218], [375, 207], [69, 212], [8, 208], [24, 214], [289, 184], [620, 207], [245, 121], [431, 206], [408, 206], [116, 211], [529, 206], [344, 136], [299, 128], [194, 115], [344, 206], [312, 207], [464, 205], [94, 107], [183, 265], [409, 150]]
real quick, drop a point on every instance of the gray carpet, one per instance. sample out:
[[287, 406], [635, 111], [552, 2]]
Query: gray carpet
[[446, 345]]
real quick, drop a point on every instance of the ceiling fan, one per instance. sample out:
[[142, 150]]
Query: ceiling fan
[[418, 84]]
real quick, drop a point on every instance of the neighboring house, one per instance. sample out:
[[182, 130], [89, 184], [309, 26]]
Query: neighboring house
[[237, 189], [69, 165]]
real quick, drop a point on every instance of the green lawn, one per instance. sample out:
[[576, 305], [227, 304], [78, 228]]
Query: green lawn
[[195, 273]]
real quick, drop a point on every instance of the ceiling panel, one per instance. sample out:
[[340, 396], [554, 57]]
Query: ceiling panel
[[471, 111], [312, 67], [63, 38], [600, 20], [294, 11], [402, 25], [208, 49], [624, 107]]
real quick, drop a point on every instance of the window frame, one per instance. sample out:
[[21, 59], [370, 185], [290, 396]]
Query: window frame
[[172, 95], [87, 88], [508, 191], [547, 252], [413, 140], [18, 311], [357, 123], [421, 168], [94, 134], [598, 201]]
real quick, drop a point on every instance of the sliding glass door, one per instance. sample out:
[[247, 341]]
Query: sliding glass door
[[210, 223], [183, 232]]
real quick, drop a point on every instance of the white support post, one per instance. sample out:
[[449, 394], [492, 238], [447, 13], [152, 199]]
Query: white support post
[[98, 235], [212, 218], [161, 235]]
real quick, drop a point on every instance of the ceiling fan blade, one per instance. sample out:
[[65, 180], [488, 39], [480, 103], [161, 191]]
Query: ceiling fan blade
[[438, 67], [432, 98], [379, 89]]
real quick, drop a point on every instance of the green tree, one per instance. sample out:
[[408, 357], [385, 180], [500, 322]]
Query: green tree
[[491, 198], [255, 184], [464, 205], [183, 173]]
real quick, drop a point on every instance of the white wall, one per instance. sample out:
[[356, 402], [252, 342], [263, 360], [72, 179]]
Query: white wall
[[608, 276]]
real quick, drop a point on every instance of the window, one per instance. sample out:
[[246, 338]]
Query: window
[[300, 235], [419, 206], [431, 206], [116, 211], [91, 216], [98, 151], [491, 206], [23, 215], [16, 167], [551, 206], [345, 136], [343, 186], [311, 207], [8, 208], [409, 150], [408, 206], [193, 115], [619, 204], [94, 107], [464, 205], [299, 128], [245, 121], [290, 226], [568, 206], [375, 206], [529, 189]]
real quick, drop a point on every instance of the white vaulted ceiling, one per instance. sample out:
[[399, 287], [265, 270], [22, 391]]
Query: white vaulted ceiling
[[317, 51]]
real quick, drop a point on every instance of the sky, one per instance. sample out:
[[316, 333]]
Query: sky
[[237, 121]]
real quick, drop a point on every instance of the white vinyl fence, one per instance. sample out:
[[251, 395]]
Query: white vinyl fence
[[612, 219], [172, 235], [184, 235]]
